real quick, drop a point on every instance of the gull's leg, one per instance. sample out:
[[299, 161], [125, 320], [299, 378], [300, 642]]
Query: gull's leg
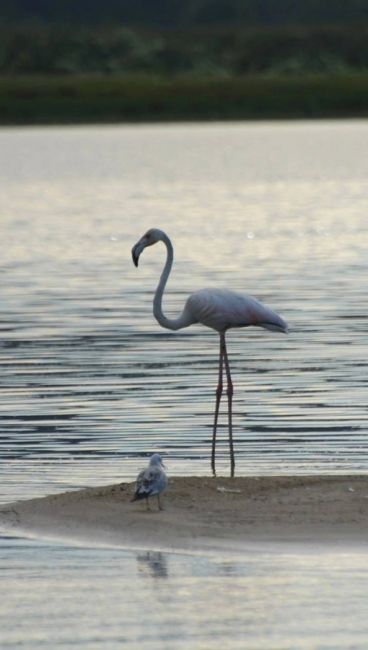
[[159, 503], [147, 504], [230, 392], [218, 398]]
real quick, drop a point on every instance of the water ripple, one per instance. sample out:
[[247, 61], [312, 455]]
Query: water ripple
[[89, 381]]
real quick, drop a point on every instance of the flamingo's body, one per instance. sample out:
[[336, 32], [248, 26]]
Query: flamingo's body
[[218, 309], [221, 309]]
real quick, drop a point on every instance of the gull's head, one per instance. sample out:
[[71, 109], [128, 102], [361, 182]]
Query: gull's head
[[152, 236], [156, 460]]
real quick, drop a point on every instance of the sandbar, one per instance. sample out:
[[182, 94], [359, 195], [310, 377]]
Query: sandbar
[[204, 514]]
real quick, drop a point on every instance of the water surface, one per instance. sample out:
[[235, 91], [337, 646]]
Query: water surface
[[89, 379], [61, 597], [90, 383]]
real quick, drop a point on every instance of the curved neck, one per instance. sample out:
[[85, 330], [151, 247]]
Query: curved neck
[[169, 323]]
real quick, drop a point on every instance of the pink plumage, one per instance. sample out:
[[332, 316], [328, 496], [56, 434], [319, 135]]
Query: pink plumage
[[221, 309]]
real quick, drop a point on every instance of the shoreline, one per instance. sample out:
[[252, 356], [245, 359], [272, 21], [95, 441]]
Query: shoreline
[[204, 515], [135, 99]]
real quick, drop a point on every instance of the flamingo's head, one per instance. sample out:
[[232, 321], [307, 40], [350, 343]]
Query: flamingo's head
[[152, 236]]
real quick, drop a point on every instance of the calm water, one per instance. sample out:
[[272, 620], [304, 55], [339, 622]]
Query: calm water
[[65, 597], [90, 382]]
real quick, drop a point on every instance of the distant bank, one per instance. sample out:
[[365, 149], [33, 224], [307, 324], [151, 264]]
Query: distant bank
[[104, 99]]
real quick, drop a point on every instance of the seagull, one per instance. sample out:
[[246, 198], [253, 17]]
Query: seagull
[[151, 481]]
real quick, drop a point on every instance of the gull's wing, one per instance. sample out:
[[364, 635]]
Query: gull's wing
[[150, 481]]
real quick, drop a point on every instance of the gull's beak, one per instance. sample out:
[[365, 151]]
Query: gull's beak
[[137, 249]]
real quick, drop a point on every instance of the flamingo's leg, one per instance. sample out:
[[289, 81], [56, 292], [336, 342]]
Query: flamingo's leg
[[230, 392], [218, 398]]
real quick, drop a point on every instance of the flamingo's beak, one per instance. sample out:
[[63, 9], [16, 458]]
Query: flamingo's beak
[[137, 249], [135, 256]]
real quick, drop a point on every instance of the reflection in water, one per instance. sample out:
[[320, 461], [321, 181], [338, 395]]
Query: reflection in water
[[151, 600], [152, 563]]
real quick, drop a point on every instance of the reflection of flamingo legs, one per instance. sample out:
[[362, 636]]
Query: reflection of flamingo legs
[[223, 358]]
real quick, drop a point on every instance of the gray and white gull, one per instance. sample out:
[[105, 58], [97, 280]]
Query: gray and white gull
[[151, 481]]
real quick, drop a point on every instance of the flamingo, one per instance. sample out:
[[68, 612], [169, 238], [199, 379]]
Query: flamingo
[[218, 309]]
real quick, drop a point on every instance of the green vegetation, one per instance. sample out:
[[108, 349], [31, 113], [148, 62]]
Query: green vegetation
[[75, 99], [205, 52], [50, 73]]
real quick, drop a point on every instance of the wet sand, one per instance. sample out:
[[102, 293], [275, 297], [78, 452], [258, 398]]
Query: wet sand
[[204, 514]]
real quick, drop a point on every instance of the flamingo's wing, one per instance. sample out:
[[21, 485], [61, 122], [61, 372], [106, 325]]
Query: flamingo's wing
[[221, 309]]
